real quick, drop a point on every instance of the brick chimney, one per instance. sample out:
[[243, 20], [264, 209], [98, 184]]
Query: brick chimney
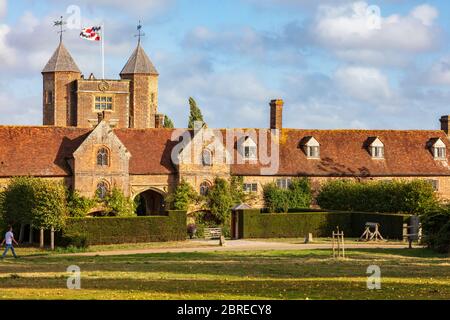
[[445, 124], [276, 114], [159, 121]]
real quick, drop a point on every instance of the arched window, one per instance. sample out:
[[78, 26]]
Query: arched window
[[102, 189], [207, 158], [103, 157], [204, 188]]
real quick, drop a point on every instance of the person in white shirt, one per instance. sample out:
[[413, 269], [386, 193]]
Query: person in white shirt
[[9, 240]]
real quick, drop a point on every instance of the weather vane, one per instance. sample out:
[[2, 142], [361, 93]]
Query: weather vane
[[60, 23], [140, 33]]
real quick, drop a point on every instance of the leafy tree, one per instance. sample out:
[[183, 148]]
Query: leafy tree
[[119, 205], [297, 195], [77, 205], [220, 200], [17, 201], [183, 196], [168, 123], [237, 190], [195, 114], [49, 208], [436, 229]]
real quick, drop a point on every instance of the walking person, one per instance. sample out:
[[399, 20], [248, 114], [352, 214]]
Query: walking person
[[9, 240]]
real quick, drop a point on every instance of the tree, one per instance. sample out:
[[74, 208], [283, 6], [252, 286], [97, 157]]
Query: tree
[[183, 196], [195, 114], [17, 202], [77, 205], [168, 123], [49, 209], [119, 205], [220, 200]]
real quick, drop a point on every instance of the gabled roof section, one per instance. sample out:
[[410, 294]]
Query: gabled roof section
[[139, 63], [374, 142], [61, 61], [437, 143], [103, 133], [309, 142]]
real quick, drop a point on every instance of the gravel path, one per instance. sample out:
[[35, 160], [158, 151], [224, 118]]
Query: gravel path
[[238, 245]]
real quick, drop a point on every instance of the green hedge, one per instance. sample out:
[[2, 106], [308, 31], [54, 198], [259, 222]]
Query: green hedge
[[254, 224], [396, 196], [129, 230]]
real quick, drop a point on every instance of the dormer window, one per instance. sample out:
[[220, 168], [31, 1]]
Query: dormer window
[[311, 147], [438, 149], [376, 149], [250, 149]]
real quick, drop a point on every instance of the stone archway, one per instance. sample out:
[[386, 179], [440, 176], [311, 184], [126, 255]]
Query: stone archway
[[150, 203]]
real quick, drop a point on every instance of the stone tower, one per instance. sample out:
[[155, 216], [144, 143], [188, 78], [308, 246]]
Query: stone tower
[[143, 89], [59, 96]]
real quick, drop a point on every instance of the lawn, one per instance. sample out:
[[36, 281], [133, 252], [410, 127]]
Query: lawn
[[308, 274]]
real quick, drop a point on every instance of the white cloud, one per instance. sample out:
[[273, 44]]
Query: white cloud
[[350, 33], [7, 53], [3, 8], [426, 14], [366, 84], [440, 72]]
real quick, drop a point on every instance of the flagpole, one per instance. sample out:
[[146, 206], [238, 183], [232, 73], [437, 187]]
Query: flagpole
[[103, 51]]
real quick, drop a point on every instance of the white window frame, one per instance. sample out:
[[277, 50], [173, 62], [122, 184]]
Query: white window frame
[[250, 187], [284, 183], [249, 150], [312, 148], [207, 158], [377, 150]]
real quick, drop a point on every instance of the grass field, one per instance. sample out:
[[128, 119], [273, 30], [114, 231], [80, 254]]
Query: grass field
[[309, 274]]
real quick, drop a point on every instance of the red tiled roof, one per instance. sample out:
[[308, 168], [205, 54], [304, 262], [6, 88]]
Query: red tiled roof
[[150, 150], [345, 153], [43, 151], [38, 151]]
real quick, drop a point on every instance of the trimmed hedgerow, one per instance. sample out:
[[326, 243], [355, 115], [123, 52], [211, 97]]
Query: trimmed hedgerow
[[254, 224], [115, 230], [396, 196]]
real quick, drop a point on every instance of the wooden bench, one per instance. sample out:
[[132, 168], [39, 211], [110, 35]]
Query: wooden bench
[[213, 233]]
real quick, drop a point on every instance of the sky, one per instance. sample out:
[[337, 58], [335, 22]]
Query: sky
[[336, 63]]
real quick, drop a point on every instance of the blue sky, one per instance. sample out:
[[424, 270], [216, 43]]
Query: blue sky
[[331, 65]]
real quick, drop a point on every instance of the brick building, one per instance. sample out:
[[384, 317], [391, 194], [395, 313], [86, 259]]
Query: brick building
[[99, 134]]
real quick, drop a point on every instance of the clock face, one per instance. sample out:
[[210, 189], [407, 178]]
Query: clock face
[[103, 86]]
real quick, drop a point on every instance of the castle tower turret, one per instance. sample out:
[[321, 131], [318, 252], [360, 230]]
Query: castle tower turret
[[59, 97], [143, 89]]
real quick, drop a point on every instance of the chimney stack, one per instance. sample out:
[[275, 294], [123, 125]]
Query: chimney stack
[[276, 114], [159, 121], [445, 124]]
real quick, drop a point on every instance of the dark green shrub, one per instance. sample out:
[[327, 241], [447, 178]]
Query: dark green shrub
[[220, 200], [77, 205], [112, 230], [436, 229], [396, 196], [254, 224], [118, 205], [298, 195], [75, 240], [183, 197]]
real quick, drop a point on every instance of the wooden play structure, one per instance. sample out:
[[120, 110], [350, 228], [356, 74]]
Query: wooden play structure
[[372, 232]]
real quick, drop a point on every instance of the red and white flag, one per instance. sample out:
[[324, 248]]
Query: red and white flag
[[91, 33]]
